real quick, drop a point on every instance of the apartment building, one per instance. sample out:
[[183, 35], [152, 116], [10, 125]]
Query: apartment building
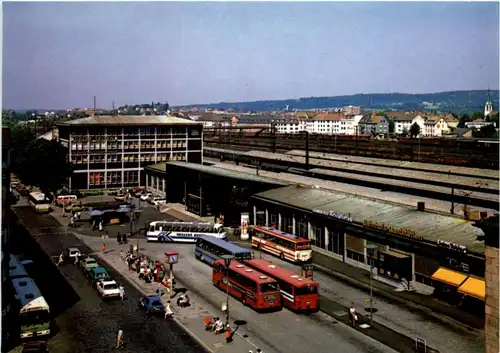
[[323, 123], [112, 151]]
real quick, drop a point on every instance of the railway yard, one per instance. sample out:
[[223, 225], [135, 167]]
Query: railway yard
[[456, 152], [441, 188]]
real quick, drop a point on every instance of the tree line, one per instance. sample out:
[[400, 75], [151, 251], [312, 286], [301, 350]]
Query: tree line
[[37, 161]]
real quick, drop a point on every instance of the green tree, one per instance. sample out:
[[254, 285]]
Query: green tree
[[488, 131], [21, 136], [477, 115], [414, 130], [463, 119], [391, 124], [44, 164], [404, 132]]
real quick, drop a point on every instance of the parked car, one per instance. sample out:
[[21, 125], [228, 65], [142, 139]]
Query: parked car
[[145, 197], [88, 263], [98, 274], [152, 304], [108, 289], [35, 347]]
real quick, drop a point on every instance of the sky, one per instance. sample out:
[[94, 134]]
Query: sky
[[59, 55]]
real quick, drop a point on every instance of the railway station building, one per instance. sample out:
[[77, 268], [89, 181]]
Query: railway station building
[[109, 152], [207, 190], [414, 249]]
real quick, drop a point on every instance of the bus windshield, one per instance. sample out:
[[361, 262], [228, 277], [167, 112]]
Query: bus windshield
[[36, 317], [243, 256], [303, 246], [306, 290], [269, 287]]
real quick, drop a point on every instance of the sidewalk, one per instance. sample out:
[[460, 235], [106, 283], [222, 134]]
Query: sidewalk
[[190, 318], [359, 278]]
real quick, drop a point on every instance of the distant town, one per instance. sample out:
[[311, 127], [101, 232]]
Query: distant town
[[346, 120]]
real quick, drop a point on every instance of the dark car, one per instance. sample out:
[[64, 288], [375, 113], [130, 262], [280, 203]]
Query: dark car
[[35, 347], [152, 304]]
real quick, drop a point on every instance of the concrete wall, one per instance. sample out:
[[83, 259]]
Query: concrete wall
[[492, 298]]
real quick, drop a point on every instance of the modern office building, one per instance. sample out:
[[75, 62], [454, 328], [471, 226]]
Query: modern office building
[[112, 151]]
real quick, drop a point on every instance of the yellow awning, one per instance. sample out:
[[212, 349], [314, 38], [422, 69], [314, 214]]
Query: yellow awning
[[473, 287], [449, 277]]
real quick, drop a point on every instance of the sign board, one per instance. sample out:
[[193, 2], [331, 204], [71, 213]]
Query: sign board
[[452, 246], [245, 217], [402, 232], [335, 215], [172, 257]]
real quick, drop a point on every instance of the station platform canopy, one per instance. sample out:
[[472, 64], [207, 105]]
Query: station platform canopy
[[428, 226]]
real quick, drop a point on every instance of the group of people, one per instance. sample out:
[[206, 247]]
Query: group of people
[[219, 327]]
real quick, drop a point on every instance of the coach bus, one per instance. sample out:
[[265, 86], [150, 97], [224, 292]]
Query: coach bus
[[298, 293], [167, 231], [39, 202], [34, 312], [286, 246], [209, 250], [249, 286]]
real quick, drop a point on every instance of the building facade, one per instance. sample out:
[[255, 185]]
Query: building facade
[[329, 124], [111, 151], [409, 252], [373, 125]]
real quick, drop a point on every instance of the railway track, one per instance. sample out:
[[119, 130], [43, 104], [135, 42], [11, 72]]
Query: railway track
[[484, 157]]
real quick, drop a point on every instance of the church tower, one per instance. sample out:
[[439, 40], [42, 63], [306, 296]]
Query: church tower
[[488, 107]]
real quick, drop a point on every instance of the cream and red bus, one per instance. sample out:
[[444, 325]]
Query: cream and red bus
[[286, 246]]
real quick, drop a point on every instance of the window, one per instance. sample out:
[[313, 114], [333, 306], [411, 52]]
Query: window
[[301, 229], [319, 236], [287, 224], [355, 256], [261, 218], [306, 290], [269, 287], [273, 219]]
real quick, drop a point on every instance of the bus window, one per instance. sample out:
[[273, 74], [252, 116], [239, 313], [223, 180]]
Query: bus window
[[304, 246], [306, 290], [269, 287]]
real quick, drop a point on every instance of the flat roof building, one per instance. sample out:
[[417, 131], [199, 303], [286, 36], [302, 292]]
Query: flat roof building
[[112, 151]]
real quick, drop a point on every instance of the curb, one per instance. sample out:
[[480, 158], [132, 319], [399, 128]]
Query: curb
[[177, 321], [401, 301]]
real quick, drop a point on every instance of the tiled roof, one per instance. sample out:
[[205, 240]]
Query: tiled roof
[[329, 116], [129, 120]]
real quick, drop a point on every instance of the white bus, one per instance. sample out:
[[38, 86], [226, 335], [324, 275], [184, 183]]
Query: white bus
[[39, 202], [176, 231], [34, 312]]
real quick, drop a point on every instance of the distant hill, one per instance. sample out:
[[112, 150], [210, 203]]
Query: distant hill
[[459, 102]]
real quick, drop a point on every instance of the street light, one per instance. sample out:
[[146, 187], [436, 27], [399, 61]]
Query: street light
[[227, 260], [371, 250]]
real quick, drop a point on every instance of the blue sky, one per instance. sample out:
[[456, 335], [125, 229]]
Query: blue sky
[[59, 55]]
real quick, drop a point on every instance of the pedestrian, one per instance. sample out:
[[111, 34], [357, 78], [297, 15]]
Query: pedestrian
[[119, 339], [61, 259], [103, 247], [100, 225], [229, 334], [354, 316], [124, 238], [168, 311], [122, 292], [119, 238]]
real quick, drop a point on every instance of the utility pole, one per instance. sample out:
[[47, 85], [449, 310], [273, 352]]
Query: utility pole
[[95, 104], [307, 149]]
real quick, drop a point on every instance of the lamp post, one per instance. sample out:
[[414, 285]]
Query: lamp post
[[371, 250], [227, 260]]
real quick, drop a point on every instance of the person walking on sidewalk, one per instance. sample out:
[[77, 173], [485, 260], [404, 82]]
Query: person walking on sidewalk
[[122, 292], [61, 259], [119, 339], [353, 315]]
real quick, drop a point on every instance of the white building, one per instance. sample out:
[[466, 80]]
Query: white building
[[403, 123], [478, 124], [321, 124], [488, 106]]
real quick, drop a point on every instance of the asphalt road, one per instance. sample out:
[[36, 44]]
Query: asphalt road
[[84, 322], [414, 324]]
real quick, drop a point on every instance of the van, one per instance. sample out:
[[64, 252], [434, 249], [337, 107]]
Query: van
[[62, 199]]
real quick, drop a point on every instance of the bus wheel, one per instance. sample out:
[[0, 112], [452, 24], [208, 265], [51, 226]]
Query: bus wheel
[[282, 257], [161, 239]]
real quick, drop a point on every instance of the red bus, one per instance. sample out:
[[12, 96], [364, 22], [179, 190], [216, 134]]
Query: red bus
[[286, 246], [249, 286], [298, 293]]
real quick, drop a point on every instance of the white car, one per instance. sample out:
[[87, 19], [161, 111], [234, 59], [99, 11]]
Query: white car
[[108, 289], [147, 196], [158, 200], [73, 252]]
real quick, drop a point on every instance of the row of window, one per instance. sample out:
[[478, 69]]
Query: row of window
[[118, 132], [110, 178], [128, 158], [127, 145]]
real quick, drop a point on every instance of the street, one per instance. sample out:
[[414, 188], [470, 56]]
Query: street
[[445, 338], [86, 323]]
